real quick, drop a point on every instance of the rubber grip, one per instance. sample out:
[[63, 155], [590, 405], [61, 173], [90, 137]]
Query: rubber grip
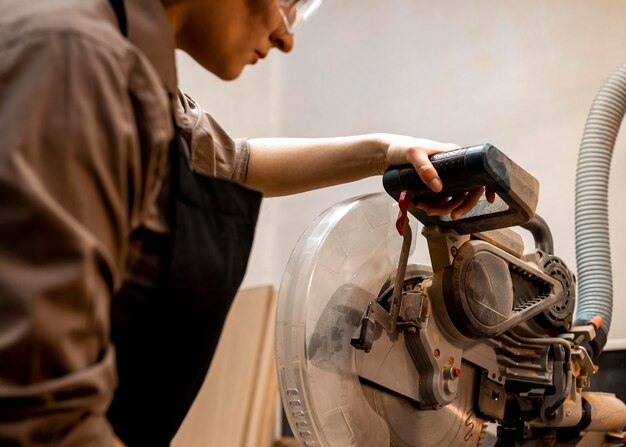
[[464, 169]]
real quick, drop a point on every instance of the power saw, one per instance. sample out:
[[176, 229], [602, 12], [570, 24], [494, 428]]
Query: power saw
[[374, 350]]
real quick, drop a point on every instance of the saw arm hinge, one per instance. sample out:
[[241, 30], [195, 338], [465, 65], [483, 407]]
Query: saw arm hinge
[[413, 313]]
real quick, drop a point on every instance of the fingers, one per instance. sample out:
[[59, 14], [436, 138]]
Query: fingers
[[471, 199], [401, 150], [458, 205], [425, 169], [433, 147], [418, 157], [443, 206]]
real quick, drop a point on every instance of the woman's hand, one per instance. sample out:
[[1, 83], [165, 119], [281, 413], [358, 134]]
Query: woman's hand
[[415, 151]]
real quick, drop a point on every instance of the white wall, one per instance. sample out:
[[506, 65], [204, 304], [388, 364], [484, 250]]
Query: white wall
[[519, 74]]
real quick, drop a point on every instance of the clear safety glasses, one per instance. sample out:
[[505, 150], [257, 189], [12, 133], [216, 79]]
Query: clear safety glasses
[[295, 12]]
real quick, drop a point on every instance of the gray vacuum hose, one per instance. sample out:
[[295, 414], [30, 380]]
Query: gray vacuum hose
[[593, 252]]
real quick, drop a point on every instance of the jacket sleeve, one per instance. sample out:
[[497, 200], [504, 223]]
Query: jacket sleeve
[[70, 185], [212, 151]]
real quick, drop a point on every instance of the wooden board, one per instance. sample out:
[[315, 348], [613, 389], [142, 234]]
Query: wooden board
[[236, 405]]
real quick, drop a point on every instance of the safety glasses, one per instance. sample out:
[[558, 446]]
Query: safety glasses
[[295, 12]]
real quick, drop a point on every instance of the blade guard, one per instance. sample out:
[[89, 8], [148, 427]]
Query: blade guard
[[460, 170]]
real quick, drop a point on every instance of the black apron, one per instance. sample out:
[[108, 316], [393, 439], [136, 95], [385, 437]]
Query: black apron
[[165, 336]]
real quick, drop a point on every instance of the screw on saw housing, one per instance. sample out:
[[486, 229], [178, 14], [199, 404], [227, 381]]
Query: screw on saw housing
[[375, 313]]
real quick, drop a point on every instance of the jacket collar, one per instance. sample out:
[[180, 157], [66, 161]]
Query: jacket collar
[[150, 31]]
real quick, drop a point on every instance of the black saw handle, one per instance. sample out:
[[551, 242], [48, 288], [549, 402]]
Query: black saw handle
[[463, 169]]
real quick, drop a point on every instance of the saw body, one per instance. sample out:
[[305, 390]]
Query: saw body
[[374, 351]]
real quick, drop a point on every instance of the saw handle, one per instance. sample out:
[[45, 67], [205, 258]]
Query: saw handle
[[464, 169]]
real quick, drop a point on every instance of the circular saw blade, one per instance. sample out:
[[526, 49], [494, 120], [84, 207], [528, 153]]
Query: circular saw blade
[[454, 425], [340, 264], [336, 269]]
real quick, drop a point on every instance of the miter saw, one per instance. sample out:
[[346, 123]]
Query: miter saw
[[373, 350]]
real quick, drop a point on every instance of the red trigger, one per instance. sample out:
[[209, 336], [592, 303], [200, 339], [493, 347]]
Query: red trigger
[[402, 221]]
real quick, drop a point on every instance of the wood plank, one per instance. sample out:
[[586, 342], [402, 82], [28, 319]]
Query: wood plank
[[236, 404]]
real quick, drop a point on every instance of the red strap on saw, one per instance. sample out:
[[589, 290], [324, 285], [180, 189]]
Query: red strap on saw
[[403, 201]]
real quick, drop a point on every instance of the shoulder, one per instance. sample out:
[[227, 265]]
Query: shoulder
[[56, 27], [213, 151], [78, 39]]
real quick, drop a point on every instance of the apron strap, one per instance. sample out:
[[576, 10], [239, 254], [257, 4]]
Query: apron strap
[[120, 12], [168, 316]]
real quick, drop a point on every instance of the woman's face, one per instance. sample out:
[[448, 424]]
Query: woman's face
[[225, 35]]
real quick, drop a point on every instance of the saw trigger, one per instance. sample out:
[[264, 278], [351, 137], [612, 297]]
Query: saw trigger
[[403, 221]]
